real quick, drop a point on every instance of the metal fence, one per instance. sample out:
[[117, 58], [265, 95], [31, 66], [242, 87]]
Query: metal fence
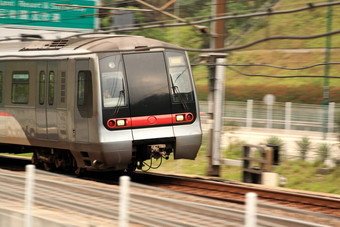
[[41, 198], [292, 116]]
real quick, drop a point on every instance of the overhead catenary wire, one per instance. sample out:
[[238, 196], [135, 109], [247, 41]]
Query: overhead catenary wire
[[269, 12], [281, 77], [272, 66], [174, 48]]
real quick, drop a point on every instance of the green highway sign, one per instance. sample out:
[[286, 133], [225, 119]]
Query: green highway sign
[[36, 13]]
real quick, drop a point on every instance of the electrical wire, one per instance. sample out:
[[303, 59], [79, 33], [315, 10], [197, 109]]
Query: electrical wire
[[281, 77], [272, 66], [269, 12], [175, 48]]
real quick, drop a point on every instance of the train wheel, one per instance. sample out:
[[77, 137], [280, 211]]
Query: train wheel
[[80, 172], [49, 166], [36, 162]]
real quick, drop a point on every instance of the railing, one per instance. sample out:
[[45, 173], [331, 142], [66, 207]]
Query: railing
[[292, 116]]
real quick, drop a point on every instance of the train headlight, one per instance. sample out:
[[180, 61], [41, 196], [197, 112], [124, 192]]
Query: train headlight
[[121, 122], [111, 123], [180, 117], [190, 117]]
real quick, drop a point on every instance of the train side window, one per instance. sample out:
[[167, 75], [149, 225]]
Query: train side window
[[81, 88], [0, 86], [51, 88], [20, 87], [84, 93], [42, 80]]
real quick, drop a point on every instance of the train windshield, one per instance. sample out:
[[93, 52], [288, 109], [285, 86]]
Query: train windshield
[[112, 78], [180, 77]]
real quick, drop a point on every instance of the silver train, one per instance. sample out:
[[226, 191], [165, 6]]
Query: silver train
[[97, 103]]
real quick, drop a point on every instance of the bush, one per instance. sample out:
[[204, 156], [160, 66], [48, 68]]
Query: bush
[[275, 141], [323, 152], [304, 145]]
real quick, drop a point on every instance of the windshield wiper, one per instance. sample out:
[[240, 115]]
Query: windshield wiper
[[180, 74], [178, 92], [117, 107]]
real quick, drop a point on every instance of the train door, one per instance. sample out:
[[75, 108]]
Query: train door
[[148, 91], [41, 116], [83, 100], [46, 114], [51, 108]]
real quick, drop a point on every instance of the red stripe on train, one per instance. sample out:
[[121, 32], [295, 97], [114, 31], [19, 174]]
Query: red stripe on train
[[135, 122], [2, 114], [151, 120]]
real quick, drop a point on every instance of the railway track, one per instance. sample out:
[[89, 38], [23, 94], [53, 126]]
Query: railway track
[[301, 204], [235, 192]]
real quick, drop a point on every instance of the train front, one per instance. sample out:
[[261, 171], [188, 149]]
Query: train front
[[149, 107]]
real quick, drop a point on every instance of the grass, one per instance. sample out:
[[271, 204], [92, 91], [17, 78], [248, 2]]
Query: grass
[[301, 175]]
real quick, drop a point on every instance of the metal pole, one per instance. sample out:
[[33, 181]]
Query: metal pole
[[331, 110], [288, 115], [29, 197], [218, 110], [269, 115], [249, 113], [326, 80], [124, 198], [251, 200]]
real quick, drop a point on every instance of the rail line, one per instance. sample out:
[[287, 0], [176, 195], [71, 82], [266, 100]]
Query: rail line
[[235, 192], [295, 203]]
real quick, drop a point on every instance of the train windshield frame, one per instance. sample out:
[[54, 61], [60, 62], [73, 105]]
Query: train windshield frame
[[180, 77], [113, 83]]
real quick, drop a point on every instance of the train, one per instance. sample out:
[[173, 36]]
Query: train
[[97, 102]]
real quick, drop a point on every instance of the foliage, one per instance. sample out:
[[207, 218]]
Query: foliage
[[235, 150], [304, 145], [323, 152], [304, 176], [275, 141]]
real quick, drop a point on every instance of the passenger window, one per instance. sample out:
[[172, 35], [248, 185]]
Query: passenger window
[[42, 80], [51, 88], [84, 87], [0, 87], [20, 87], [84, 94]]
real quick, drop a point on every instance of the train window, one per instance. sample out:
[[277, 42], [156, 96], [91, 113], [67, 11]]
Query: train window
[[84, 92], [51, 83], [179, 76], [81, 89], [20, 87], [42, 79], [0, 86], [112, 79]]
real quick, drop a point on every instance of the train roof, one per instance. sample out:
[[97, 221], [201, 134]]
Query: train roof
[[82, 44]]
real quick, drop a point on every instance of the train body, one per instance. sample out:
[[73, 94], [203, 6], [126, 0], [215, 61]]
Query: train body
[[97, 103]]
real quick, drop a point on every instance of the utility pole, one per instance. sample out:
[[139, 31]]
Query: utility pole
[[216, 88]]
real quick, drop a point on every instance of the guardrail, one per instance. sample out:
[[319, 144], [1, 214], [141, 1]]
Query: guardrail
[[291, 116]]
